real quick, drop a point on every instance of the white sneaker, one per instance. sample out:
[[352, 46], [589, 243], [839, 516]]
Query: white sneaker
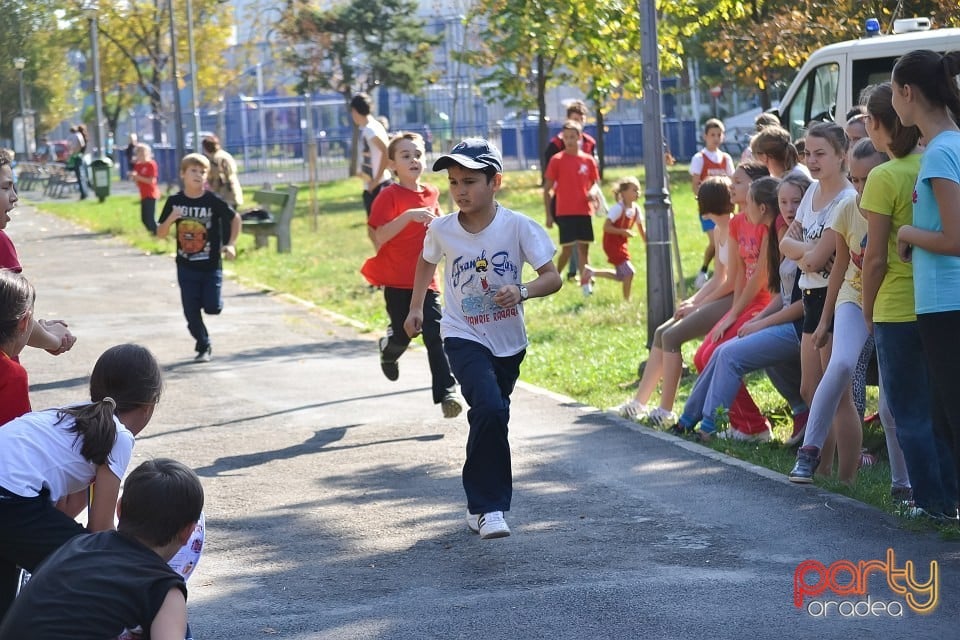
[[587, 289], [488, 525], [631, 409], [731, 433], [661, 418], [700, 280]]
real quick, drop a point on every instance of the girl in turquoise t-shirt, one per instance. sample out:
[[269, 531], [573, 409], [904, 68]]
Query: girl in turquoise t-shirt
[[925, 94]]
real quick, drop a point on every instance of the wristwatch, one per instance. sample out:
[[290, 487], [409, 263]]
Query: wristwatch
[[524, 294]]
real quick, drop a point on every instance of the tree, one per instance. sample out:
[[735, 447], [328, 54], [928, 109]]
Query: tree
[[357, 46], [763, 41], [135, 51], [524, 44], [29, 31]]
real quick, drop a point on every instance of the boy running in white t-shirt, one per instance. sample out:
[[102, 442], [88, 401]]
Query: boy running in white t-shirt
[[484, 246]]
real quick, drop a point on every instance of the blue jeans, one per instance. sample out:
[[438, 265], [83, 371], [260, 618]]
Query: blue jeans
[[486, 382], [148, 214], [717, 386], [906, 384], [199, 293], [398, 305], [938, 332]]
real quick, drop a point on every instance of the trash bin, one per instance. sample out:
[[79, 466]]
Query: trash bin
[[100, 168]]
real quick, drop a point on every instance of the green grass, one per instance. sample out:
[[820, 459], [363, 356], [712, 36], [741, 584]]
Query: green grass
[[588, 349]]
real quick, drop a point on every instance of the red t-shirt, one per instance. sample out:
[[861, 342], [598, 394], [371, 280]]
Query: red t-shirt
[[573, 175], [396, 262], [8, 254], [14, 390], [749, 242], [150, 189]]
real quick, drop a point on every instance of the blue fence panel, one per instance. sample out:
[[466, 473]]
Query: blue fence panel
[[622, 141]]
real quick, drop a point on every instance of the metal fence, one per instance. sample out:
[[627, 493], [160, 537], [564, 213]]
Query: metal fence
[[267, 135]]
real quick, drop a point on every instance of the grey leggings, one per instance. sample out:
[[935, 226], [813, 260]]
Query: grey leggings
[[670, 335]]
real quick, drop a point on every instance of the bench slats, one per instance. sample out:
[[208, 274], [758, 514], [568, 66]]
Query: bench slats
[[281, 205]]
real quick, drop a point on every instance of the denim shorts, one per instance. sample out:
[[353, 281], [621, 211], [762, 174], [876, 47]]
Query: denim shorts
[[813, 300]]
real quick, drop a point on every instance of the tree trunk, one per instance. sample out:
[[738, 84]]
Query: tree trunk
[[600, 160], [543, 133]]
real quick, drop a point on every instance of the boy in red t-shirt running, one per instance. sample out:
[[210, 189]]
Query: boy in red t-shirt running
[[398, 223]]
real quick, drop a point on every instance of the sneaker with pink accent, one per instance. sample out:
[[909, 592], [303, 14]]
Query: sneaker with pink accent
[[799, 428]]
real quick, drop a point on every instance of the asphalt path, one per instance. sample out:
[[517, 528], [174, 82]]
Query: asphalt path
[[333, 498]]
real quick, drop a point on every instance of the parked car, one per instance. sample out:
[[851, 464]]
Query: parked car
[[56, 151]]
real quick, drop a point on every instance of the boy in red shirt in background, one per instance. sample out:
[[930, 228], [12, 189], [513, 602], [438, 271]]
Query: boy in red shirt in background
[[709, 161], [398, 223], [145, 174], [570, 175]]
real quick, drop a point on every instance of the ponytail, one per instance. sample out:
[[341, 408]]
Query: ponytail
[[950, 63], [94, 424], [933, 75]]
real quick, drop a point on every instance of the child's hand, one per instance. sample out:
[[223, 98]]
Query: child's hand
[[630, 233], [717, 334], [904, 248], [795, 232], [176, 212], [749, 327], [229, 252], [820, 336], [685, 309], [423, 216], [59, 329], [507, 297], [414, 323]]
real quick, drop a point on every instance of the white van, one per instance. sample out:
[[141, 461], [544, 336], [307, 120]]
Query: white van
[[830, 82]]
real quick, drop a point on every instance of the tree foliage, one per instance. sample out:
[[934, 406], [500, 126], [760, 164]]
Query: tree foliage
[[135, 48], [357, 46], [29, 31], [762, 42]]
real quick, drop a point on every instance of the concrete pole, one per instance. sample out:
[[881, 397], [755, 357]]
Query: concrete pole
[[193, 79], [177, 112], [660, 302], [97, 99], [311, 160], [262, 115]]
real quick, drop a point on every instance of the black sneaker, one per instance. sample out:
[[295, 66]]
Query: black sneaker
[[204, 355], [389, 368], [808, 459]]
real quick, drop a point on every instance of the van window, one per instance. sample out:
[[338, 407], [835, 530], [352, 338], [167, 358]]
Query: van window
[[870, 72], [816, 99]]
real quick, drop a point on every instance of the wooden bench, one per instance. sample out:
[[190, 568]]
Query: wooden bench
[[61, 181], [30, 175], [280, 205]]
